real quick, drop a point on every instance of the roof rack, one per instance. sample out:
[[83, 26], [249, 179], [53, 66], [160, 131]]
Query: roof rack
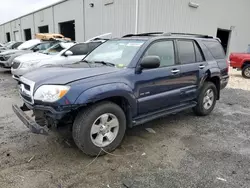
[[188, 34], [143, 34], [168, 34]]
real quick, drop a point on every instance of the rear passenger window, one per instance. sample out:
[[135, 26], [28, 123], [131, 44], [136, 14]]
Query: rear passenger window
[[215, 48], [164, 50], [199, 56], [186, 52]]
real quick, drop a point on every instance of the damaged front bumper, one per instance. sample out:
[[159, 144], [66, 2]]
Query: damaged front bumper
[[29, 122]]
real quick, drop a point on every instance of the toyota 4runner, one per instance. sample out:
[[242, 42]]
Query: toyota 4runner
[[122, 83]]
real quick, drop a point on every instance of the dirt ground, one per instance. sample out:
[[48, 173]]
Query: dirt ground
[[184, 151]]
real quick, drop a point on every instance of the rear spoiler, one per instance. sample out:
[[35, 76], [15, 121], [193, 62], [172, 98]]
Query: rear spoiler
[[105, 36]]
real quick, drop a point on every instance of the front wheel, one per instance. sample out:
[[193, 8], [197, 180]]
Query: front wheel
[[99, 128], [246, 71], [206, 100]]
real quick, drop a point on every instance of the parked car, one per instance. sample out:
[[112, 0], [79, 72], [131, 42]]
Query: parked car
[[31, 61], [145, 78], [10, 45], [7, 57], [241, 62], [60, 54]]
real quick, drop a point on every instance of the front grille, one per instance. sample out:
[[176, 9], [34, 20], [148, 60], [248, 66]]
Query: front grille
[[15, 65], [26, 88]]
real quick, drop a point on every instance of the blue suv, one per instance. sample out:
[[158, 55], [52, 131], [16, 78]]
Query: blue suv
[[123, 83]]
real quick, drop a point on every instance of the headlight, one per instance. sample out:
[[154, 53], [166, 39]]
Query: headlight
[[50, 93]]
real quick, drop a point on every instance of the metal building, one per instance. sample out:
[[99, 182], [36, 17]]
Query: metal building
[[83, 19]]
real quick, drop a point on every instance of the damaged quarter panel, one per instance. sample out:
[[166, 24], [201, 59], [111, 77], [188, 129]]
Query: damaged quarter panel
[[101, 92]]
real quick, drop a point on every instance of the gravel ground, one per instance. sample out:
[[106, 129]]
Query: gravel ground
[[184, 151]]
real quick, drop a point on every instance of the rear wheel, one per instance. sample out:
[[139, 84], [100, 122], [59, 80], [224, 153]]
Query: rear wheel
[[246, 72], [206, 100], [101, 126]]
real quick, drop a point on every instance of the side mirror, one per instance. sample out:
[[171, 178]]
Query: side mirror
[[150, 62], [35, 49], [68, 53]]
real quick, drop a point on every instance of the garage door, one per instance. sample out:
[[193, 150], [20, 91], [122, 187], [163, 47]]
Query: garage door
[[16, 36]]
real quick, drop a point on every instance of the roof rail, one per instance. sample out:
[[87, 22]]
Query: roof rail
[[143, 34], [188, 34]]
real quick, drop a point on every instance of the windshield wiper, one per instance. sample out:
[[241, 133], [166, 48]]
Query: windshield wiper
[[84, 61], [105, 63]]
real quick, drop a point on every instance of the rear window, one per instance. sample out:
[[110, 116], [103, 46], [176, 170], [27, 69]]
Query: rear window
[[215, 48]]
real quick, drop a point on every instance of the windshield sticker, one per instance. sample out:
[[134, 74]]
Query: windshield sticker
[[120, 65], [134, 44]]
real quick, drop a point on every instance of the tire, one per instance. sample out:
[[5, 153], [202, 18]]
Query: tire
[[203, 109], [88, 119], [246, 72]]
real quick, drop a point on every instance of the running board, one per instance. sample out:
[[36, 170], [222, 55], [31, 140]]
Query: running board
[[155, 115]]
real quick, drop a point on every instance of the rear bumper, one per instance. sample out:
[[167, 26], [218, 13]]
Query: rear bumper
[[224, 81], [29, 122]]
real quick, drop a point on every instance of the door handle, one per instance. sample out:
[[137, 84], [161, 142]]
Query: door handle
[[202, 66], [175, 71]]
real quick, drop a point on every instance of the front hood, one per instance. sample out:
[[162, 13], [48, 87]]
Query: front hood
[[32, 56], [63, 75], [7, 52]]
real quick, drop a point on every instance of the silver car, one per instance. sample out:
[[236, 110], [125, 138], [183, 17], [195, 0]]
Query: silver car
[[59, 54], [28, 62], [7, 57]]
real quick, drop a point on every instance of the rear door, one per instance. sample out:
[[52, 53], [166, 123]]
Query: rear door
[[193, 66], [160, 87]]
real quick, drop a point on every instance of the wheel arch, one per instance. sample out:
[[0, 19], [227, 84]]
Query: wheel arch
[[245, 62], [119, 94], [213, 77]]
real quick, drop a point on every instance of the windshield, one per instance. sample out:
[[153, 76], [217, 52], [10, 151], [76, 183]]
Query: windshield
[[118, 52], [53, 50]]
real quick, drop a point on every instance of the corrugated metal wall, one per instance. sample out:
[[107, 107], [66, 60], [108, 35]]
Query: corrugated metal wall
[[43, 18], [116, 16], [177, 16], [69, 11], [27, 22], [119, 17]]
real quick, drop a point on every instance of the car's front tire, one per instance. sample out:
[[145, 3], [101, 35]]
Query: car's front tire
[[101, 127], [246, 72], [206, 99]]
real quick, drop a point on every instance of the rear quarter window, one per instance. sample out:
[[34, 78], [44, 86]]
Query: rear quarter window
[[215, 49]]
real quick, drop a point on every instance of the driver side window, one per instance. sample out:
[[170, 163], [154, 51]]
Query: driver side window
[[164, 50]]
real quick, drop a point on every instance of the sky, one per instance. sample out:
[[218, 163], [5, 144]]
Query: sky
[[11, 9]]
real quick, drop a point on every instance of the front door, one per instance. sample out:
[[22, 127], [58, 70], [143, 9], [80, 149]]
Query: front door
[[160, 87], [79, 52], [193, 65]]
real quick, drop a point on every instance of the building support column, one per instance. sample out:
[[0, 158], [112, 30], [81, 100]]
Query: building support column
[[136, 15]]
